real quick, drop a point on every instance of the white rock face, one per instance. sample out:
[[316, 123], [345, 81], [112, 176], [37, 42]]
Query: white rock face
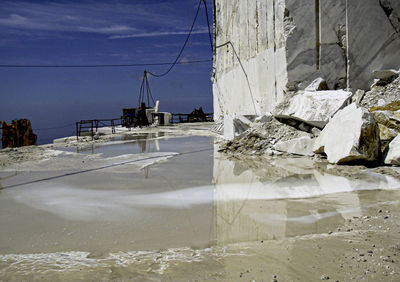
[[250, 73], [280, 44], [299, 146], [314, 107], [351, 135], [234, 125], [393, 155], [229, 128]]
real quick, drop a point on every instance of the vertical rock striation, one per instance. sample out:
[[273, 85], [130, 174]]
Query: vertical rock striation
[[265, 48]]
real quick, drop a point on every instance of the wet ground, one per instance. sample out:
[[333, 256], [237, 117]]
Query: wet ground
[[172, 209]]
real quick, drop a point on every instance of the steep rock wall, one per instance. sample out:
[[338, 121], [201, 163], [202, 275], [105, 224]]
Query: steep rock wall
[[249, 66], [374, 39], [265, 47]]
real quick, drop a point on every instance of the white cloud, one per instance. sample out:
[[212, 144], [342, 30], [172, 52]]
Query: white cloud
[[107, 30], [158, 33], [124, 19]]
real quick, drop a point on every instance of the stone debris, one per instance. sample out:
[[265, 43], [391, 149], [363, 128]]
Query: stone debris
[[388, 118], [261, 138], [298, 146], [358, 96], [235, 125], [384, 77], [313, 107], [387, 94], [359, 132], [393, 154], [265, 118], [319, 84], [351, 135]]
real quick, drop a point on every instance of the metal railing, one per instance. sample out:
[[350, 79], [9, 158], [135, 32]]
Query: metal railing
[[93, 125], [179, 118]]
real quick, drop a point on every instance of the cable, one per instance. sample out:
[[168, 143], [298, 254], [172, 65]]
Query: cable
[[50, 128], [209, 28], [104, 65], [100, 168], [244, 71], [149, 92], [183, 47]]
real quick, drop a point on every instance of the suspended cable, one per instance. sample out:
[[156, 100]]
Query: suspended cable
[[183, 47], [208, 25], [104, 65], [243, 69], [57, 127]]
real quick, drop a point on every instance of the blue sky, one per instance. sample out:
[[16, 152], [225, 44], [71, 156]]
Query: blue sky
[[99, 32]]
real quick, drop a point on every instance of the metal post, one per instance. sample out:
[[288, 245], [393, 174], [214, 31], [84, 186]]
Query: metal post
[[92, 129], [77, 132]]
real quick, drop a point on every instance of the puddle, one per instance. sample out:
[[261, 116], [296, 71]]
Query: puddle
[[188, 206], [139, 143]]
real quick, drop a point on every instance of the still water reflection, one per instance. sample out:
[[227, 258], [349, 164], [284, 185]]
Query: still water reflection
[[287, 197], [196, 198]]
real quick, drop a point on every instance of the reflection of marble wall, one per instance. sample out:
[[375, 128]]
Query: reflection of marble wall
[[294, 199]]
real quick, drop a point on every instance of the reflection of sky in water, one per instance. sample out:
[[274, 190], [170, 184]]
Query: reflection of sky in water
[[143, 143], [281, 198], [80, 203], [76, 203]]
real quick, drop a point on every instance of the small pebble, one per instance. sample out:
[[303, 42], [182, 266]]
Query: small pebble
[[325, 277]]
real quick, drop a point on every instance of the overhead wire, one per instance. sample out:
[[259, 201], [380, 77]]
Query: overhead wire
[[57, 127], [104, 65], [208, 25], [101, 168], [180, 52], [183, 47]]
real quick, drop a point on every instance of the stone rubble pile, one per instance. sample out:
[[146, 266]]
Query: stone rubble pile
[[346, 127]]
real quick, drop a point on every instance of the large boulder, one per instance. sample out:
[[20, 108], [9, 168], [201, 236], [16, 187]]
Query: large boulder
[[351, 135], [298, 146], [388, 119], [384, 77], [313, 107], [393, 155]]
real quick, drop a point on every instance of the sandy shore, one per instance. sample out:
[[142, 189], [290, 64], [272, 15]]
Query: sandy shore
[[166, 206]]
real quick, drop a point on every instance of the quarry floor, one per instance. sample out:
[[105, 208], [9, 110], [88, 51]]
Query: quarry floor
[[164, 205]]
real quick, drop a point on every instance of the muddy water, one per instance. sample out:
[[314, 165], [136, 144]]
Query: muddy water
[[176, 210]]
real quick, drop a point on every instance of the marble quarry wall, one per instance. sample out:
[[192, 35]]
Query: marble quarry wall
[[264, 48]]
